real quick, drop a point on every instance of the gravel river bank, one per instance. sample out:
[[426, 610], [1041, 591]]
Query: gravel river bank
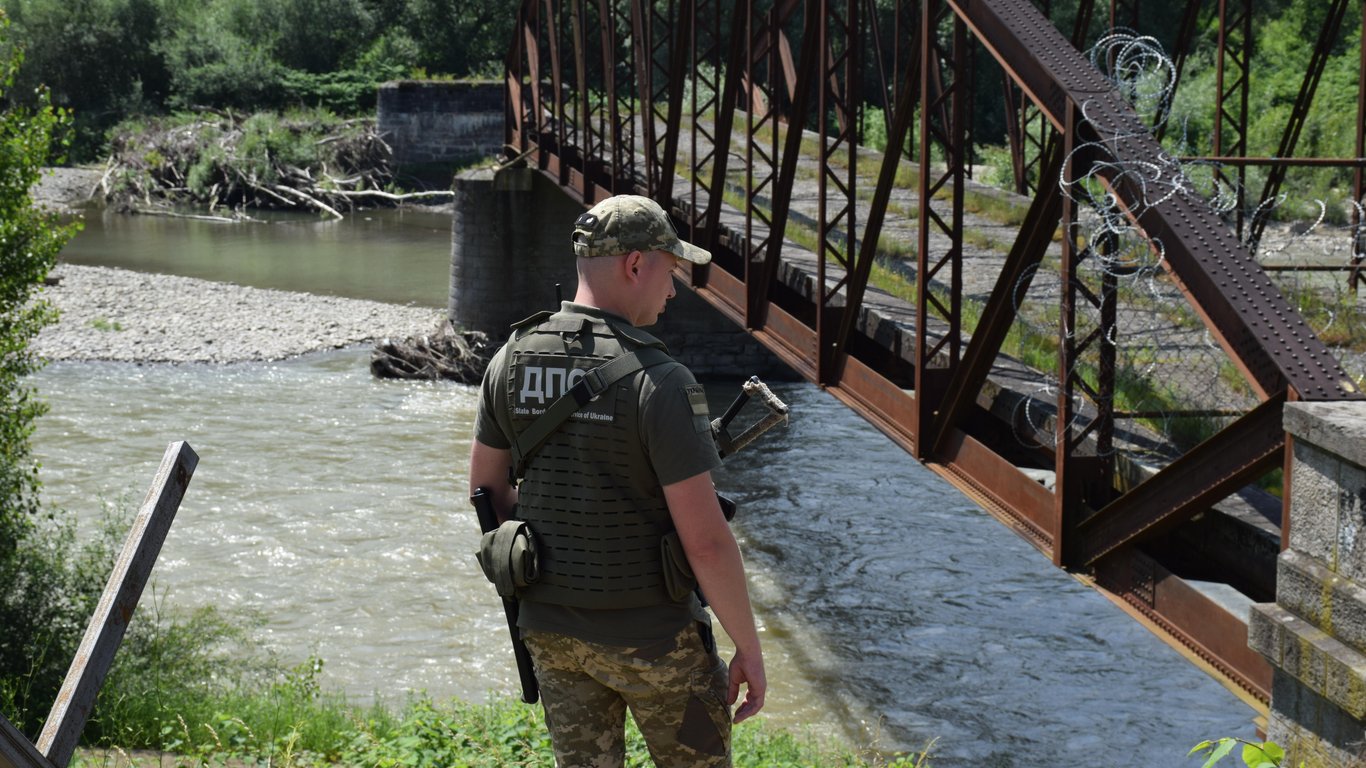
[[118, 314]]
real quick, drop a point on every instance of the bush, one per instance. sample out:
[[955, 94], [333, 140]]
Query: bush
[[29, 241], [37, 569], [214, 67]]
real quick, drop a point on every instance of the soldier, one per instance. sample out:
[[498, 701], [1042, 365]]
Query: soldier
[[609, 495]]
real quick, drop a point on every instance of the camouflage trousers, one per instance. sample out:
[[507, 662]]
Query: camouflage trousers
[[675, 689]]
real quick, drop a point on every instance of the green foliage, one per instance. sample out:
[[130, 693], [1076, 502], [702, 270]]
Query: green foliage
[[212, 65], [54, 584], [41, 608], [96, 57], [468, 38], [1264, 755], [346, 92], [1281, 51], [107, 60], [29, 241]]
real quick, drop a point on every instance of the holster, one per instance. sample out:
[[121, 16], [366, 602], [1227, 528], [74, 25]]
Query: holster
[[507, 554]]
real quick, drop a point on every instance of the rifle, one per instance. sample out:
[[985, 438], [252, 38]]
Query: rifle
[[488, 521], [777, 412]]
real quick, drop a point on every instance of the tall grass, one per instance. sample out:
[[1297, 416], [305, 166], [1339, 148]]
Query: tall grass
[[192, 686]]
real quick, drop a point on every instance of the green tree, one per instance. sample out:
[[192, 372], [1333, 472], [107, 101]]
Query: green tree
[[29, 241], [30, 138], [98, 58], [466, 38], [213, 64]]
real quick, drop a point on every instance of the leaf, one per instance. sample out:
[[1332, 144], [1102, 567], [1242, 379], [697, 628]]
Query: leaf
[[1266, 755], [1226, 746]]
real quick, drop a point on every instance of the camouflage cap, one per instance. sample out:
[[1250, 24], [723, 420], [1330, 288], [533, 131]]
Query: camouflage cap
[[626, 223]]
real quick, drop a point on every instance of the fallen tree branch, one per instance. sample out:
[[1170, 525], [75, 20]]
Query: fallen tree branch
[[389, 195], [173, 215], [313, 201]]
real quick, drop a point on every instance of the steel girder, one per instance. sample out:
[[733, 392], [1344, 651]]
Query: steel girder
[[1026, 145], [942, 99], [1232, 83], [837, 157], [1083, 473]]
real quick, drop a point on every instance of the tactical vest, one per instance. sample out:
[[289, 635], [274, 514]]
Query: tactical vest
[[598, 540]]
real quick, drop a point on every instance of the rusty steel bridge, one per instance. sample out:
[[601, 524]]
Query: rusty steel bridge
[[1103, 372]]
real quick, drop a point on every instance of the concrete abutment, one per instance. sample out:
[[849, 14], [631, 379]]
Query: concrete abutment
[[1314, 635]]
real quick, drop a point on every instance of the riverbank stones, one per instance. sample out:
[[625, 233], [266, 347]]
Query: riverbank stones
[[121, 315]]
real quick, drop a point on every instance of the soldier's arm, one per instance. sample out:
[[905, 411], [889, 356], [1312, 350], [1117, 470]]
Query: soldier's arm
[[715, 559], [489, 470]]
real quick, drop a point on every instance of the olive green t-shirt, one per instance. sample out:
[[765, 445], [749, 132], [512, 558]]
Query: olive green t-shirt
[[665, 408]]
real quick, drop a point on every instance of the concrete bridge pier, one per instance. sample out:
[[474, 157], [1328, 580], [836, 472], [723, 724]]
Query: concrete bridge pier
[[1314, 635], [510, 247]]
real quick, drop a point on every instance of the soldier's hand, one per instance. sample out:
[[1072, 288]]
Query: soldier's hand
[[749, 670]]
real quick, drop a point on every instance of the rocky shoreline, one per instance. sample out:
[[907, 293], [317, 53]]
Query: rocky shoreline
[[121, 315]]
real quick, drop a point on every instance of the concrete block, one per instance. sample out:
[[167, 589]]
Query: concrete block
[[1318, 661], [1263, 633], [1312, 730], [436, 122], [1327, 600], [1336, 427], [1351, 515], [1314, 503]]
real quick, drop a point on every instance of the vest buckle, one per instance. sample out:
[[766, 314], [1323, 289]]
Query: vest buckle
[[588, 387]]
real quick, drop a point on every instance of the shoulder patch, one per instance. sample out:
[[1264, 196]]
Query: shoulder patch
[[697, 401]]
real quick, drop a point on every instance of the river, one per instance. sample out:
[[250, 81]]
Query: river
[[893, 610]]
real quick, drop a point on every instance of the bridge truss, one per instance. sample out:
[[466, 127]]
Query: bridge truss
[[1128, 451]]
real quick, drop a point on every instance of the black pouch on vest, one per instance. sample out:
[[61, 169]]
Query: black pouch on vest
[[508, 556], [679, 580]]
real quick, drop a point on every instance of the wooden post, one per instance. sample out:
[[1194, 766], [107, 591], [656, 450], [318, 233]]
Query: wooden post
[[107, 625], [16, 751]]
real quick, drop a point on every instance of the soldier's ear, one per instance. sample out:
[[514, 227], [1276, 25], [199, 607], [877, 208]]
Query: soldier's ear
[[633, 262]]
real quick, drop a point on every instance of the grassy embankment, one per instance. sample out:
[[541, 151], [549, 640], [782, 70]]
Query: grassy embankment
[[195, 689]]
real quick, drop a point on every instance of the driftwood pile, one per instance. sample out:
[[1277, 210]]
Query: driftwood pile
[[230, 165], [446, 354]]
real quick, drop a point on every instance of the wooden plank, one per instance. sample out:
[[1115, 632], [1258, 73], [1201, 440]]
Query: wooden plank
[[121, 593], [16, 751]]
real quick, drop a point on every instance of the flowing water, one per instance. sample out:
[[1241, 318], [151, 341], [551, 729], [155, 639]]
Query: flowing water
[[893, 610]]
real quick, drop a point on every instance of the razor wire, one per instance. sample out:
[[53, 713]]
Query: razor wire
[[1174, 382]]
